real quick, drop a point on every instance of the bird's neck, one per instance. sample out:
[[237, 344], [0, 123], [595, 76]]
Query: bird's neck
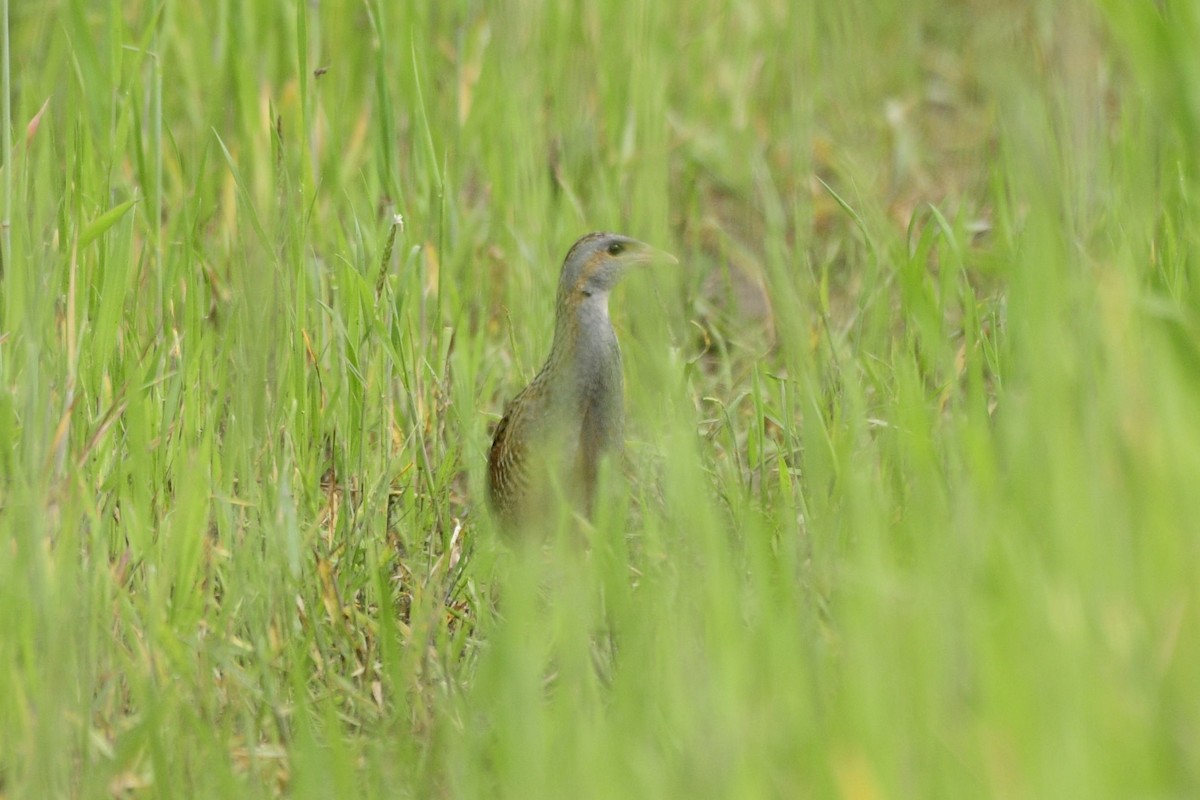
[[583, 326], [585, 344]]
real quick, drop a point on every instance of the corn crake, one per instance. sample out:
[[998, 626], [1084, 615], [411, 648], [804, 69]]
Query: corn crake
[[556, 430]]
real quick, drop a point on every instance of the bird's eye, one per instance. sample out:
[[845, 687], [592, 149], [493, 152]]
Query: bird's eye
[[615, 249]]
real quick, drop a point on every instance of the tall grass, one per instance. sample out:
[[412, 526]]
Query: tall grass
[[909, 501]]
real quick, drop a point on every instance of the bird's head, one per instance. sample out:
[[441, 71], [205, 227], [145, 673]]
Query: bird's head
[[597, 261]]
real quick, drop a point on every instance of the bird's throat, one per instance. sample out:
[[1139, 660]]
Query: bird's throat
[[586, 345]]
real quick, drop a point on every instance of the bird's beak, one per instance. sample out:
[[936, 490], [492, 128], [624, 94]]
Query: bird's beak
[[647, 254]]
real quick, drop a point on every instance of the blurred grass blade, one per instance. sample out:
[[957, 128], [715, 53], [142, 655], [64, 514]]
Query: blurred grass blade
[[97, 227]]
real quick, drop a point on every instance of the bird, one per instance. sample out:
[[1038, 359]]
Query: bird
[[556, 430]]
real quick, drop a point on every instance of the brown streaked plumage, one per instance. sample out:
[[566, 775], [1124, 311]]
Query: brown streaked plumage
[[555, 431]]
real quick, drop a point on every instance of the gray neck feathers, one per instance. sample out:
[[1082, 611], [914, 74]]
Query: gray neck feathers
[[597, 355], [585, 347]]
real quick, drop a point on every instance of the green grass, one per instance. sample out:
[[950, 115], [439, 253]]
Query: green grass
[[909, 505]]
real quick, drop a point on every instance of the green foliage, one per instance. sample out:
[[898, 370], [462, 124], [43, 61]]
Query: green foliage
[[909, 502]]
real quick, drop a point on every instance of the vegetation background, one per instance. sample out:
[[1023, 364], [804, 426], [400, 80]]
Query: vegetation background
[[911, 497]]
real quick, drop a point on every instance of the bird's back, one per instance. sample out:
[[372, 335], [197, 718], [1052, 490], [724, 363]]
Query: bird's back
[[529, 447], [508, 459]]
